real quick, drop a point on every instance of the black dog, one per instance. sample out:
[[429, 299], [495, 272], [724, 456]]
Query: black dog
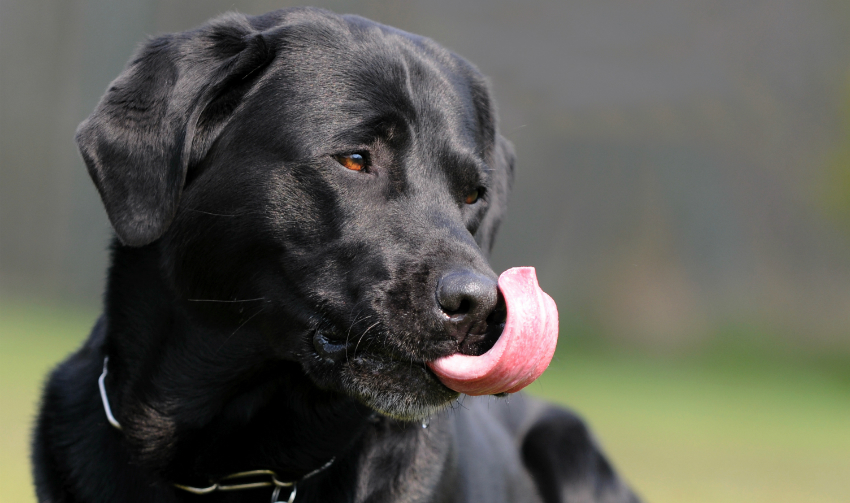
[[304, 205]]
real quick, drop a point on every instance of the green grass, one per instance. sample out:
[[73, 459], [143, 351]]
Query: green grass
[[723, 428], [32, 340], [740, 430]]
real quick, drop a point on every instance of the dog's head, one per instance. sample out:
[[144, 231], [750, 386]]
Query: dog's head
[[347, 175]]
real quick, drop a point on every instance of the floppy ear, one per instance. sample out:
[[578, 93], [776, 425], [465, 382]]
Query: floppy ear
[[502, 164], [139, 141]]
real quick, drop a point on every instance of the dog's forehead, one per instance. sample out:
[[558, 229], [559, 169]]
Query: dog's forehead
[[340, 76]]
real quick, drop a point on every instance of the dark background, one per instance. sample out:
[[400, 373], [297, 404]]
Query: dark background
[[683, 166]]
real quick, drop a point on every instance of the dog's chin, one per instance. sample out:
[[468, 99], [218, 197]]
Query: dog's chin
[[400, 390], [404, 390]]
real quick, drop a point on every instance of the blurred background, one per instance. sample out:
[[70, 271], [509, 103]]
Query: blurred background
[[683, 189]]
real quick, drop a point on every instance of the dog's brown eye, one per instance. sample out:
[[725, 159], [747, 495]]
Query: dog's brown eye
[[472, 196], [354, 162]]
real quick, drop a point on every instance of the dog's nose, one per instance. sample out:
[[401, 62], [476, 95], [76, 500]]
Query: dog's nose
[[467, 298]]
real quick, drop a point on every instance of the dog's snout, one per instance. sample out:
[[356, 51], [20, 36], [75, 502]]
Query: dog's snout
[[467, 298]]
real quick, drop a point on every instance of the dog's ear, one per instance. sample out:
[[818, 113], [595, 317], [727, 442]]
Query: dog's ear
[[141, 138], [502, 163]]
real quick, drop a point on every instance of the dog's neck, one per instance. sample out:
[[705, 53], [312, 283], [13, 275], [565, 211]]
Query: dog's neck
[[225, 405]]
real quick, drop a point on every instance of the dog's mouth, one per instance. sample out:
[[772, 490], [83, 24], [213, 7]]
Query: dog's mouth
[[328, 344], [335, 347], [510, 351], [387, 379]]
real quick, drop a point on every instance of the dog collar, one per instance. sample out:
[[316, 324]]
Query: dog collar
[[228, 482]]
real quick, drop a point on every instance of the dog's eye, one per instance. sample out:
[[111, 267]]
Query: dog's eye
[[354, 162], [472, 196]]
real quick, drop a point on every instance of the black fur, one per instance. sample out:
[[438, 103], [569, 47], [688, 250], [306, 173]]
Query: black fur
[[268, 308]]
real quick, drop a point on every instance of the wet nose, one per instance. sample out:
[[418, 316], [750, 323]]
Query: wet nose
[[467, 298]]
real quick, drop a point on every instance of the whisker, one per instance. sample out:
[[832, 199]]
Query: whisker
[[348, 335], [226, 301], [239, 327], [364, 335], [214, 214], [357, 320]]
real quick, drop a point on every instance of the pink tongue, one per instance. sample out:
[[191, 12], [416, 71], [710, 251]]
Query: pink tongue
[[522, 352]]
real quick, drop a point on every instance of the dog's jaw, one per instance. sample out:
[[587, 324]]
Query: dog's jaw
[[395, 386]]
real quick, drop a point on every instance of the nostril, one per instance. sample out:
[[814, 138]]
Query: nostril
[[462, 308], [466, 295]]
